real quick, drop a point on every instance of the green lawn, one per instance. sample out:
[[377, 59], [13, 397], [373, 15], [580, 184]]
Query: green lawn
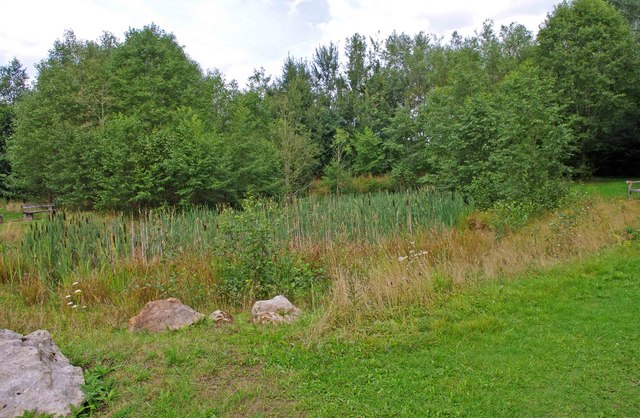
[[564, 342], [605, 187], [9, 216]]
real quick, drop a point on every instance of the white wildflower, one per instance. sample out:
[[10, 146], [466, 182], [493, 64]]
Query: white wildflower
[[84, 307], [78, 291], [68, 297], [70, 303], [75, 283], [74, 306]]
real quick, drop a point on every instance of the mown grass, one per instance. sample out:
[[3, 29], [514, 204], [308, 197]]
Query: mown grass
[[558, 342], [609, 188], [562, 342], [10, 211]]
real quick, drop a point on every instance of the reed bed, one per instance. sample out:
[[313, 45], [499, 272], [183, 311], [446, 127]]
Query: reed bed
[[370, 217], [73, 245]]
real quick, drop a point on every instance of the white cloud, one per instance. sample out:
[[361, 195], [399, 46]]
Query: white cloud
[[370, 17], [237, 36]]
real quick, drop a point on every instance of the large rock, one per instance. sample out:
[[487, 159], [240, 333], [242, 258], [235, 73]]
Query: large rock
[[35, 375], [164, 315], [274, 311]]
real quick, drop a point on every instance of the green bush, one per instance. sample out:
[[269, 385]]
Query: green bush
[[507, 216], [337, 177], [251, 261], [403, 176], [505, 147]]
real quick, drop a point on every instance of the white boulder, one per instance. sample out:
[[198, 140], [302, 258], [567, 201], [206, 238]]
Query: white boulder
[[273, 311], [36, 376]]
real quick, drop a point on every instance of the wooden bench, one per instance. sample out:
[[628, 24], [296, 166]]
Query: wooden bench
[[29, 210], [630, 188]]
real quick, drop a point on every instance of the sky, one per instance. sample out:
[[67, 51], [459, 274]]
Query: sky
[[238, 36]]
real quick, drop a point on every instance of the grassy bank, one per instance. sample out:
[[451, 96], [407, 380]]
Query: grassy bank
[[554, 342], [435, 321]]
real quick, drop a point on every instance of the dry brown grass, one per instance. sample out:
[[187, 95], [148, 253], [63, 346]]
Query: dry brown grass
[[377, 281], [33, 291], [11, 206], [11, 232], [119, 294]]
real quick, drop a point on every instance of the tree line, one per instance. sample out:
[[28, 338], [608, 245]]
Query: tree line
[[500, 116]]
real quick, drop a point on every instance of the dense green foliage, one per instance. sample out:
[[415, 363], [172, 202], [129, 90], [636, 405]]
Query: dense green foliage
[[252, 262], [500, 116], [506, 145], [13, 83], [590, 49], [129, 125]]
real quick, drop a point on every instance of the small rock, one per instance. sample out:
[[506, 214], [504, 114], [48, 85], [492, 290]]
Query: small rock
[[270, 318], [221, 317], [36, 376], [274, 311], [162, 315]]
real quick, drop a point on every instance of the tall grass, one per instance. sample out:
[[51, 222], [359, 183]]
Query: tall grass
[[378, 283], [370, 217], [88, 244]]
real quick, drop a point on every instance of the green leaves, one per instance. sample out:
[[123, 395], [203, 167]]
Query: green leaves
[[152, 76], [508, 146], [252, 262], [136, 124], [99, 391], [590, 49], [120, 125]]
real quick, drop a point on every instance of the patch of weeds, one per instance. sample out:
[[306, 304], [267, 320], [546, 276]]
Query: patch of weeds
[[442, 283], [250, 259], [159, 287], [632, 232], [565, 220], [508, 216], [98, 390]]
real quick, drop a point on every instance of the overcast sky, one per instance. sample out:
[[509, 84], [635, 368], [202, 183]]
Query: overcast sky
[[236, 36]]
